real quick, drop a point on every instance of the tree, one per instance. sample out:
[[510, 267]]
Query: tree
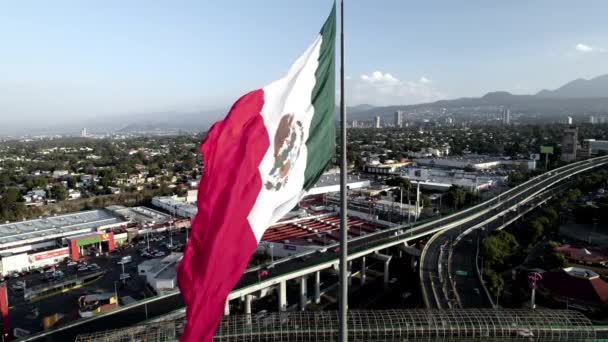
[[534, 230], [497, 247], [554, 260], [59, 193], [456, 197]]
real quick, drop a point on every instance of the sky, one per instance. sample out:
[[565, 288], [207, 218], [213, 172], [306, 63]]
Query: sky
[[66, 60]]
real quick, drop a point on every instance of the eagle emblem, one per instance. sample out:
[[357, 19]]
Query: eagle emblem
[[287, 143]]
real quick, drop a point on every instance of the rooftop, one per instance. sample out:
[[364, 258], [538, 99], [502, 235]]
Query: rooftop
[[62, 225]]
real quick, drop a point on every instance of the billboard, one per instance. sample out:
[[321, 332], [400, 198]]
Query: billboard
[[546, 149]]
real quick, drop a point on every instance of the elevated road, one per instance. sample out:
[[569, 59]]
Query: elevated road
[[310, 262], [439, 280]]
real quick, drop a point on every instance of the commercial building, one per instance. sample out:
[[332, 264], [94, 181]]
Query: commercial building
[[330, 182], [161, 274], [37, 243], [386, 168], [176, 206], [443, 180], [569, 144], [377, 122], [476, 162]]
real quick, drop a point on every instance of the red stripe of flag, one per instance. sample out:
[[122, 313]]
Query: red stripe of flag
[[222, 241]]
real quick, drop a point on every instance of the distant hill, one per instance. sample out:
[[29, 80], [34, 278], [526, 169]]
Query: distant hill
[[579, 96], [579, 88]]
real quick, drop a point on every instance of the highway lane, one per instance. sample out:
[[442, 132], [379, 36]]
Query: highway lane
[[294, 267]]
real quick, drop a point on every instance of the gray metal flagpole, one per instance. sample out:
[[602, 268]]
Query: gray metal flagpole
[[343, 298]]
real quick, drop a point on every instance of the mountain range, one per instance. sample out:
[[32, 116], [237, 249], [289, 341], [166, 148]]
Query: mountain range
[[579, 96]]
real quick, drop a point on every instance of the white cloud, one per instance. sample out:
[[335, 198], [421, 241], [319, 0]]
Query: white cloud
[[383, 88], [584, 48]]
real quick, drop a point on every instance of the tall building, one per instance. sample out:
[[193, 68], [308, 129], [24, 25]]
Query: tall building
[[83, 132], [569, 144], [506, 116], [354, 124], [592, 120], [377, 122], [569, 121], [399, 119]]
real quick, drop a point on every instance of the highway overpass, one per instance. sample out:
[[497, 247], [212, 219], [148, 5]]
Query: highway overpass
[[436, 273]]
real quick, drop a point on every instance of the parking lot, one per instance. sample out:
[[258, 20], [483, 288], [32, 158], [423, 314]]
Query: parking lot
[[29, 316]]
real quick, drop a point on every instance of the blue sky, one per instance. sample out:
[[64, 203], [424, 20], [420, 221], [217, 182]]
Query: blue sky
[[67, 59]]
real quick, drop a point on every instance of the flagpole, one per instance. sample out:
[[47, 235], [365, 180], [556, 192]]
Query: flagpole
[[343, 298]]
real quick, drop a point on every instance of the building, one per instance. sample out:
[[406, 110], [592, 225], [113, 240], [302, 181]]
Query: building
[[83, 133], [443, 180], [587, 256], [575, 288], [592, 120], [33, 244], [506, 116], [386, 168], [176, 206], [377, 122], [569, 121], [592, 147], [398, 119], [569, 144], [476, 162], [161, 274]]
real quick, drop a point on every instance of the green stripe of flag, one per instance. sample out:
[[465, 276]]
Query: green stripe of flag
[[321, 137]]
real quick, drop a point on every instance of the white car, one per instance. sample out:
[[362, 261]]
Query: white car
[[72, 263]]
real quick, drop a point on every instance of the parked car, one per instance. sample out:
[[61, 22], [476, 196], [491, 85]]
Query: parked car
[[72, 263], [83, 268]]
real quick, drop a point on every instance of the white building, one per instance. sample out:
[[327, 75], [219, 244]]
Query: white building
[[377, 122], [161, 274], [443, 180], [175, 205]]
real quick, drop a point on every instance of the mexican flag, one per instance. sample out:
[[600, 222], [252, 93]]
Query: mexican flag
[[259, 161]]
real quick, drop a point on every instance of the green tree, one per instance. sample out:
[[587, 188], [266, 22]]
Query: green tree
[[59, 193], [497, 247], [456, 197], [534, 230]]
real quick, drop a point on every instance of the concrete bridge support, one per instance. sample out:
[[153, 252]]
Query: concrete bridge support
[[303, 292], [282, 296], [362, 270], [317, 287], [248, 299], [227, 308], [386, 259]]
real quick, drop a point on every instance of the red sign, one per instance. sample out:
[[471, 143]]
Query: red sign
[[50, 254]]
